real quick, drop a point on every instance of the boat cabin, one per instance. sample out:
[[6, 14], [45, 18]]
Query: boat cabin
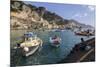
[[29, 36]]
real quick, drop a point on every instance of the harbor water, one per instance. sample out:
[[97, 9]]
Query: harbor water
[[47, 54]]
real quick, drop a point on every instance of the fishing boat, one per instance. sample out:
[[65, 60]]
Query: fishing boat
[[84, 33], [30, 44], [55, 41]]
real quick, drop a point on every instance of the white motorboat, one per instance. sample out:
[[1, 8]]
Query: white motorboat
[[30, 44], [55, 41]]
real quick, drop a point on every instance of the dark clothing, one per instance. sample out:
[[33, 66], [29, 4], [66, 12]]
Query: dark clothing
[[83, 44]]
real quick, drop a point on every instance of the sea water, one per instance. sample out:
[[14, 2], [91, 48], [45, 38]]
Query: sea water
[[47, 54]]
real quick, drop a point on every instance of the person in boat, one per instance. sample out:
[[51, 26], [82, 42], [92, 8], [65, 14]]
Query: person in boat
[[88, 31], [56, 39]]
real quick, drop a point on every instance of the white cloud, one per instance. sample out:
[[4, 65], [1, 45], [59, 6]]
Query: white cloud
[[91, 8], [76, 15], [79, 15]]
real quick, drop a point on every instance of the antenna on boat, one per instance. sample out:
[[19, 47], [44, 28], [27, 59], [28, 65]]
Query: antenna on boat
[[40, 47]]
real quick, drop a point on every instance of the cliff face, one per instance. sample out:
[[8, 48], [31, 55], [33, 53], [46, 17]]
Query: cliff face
[[26, 16]]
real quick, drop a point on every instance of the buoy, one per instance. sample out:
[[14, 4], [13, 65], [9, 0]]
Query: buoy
[[26, 49]]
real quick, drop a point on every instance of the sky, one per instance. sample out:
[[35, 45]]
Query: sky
[[82, 13]]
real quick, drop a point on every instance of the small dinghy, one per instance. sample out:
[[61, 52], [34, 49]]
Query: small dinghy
[[55, 41]]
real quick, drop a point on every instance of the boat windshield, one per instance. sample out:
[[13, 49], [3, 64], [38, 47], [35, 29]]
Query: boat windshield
[[30, 35]]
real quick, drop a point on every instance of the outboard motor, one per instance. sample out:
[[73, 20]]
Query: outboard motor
[[18, 45]]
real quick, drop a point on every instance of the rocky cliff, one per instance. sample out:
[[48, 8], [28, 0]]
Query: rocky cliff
[[27, 16]]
